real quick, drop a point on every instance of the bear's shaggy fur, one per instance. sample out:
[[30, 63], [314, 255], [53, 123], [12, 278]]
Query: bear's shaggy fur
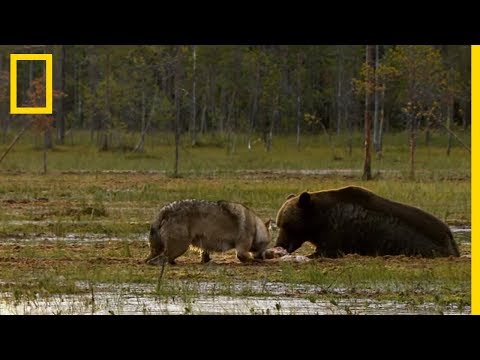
[[355, 220]]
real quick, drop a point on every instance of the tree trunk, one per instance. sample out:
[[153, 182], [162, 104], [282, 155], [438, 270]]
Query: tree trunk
[[77, 105], [412, 146], [206, 102], [146, 123], [30, 80], [349, 123], [222, 110], [212, 111], [106, 119], [427, 134], [230, 121], [387, 122], [59, 79], [177, 136], [75, 95], [141, 143], [380, 126], [47, 140], [254, 109], [203, 127], [376, 133], [449, 122], [339, 88], [369, 104], [275, 117], [299, 114], [93, 84], [299, 117], [230, 110], [193, 129], [249, 124], [177, 111]]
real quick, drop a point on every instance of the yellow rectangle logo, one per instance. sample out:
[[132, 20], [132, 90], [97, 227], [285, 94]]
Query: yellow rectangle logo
[[14, 108], [475, 176]]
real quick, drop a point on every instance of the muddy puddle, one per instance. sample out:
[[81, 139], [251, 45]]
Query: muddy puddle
[[51, 222], [461, 234], [131, 299], [72, 238]]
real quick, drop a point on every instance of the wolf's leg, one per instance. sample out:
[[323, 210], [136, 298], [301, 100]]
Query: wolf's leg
[[176, 247], [259, 255], [156, 252], [150, 257], [156, 260], [205, 256], [243, 253]]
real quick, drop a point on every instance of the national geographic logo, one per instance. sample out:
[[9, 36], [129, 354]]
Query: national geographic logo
[[14, 108]]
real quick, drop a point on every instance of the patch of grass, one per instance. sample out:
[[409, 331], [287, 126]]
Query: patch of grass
[[91, 210], [211, 155], [131, 199]]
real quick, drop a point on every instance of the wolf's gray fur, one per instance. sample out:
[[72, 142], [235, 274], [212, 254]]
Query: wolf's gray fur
[[210, 226]]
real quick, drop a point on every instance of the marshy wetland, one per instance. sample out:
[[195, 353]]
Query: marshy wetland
[[74, 242]]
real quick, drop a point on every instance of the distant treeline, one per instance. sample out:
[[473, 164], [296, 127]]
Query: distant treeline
[[225, 89]]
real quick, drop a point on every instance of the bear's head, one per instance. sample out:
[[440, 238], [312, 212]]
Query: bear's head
[[293, 220]]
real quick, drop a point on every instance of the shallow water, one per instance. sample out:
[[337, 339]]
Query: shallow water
[[131, 304], [462, 234], [221, 305], [74, 238], [136, 299], [53, 222]]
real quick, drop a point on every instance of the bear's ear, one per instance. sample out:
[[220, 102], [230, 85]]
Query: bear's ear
[[304, 201], [291, 196]]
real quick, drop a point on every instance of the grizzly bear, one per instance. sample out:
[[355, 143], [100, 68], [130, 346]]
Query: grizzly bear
[[355, 220], [209, 226]]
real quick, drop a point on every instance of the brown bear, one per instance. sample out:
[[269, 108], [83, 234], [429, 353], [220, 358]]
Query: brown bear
[[355, 220]]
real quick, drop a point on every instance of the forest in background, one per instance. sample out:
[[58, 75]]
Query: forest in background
[[255, 90]]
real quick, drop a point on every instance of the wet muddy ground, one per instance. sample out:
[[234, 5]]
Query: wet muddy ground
[[66, 275]]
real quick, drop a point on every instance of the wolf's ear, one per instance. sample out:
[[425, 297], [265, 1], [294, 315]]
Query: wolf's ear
[[304, 201], [291, 196]]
